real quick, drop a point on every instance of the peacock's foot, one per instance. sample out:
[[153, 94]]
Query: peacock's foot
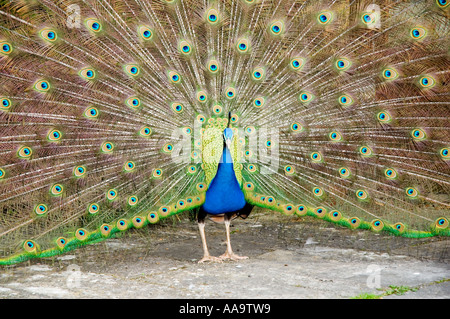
[[211, 259], [232, 256]]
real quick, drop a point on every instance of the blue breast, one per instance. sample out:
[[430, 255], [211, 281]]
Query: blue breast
[[224, 194]]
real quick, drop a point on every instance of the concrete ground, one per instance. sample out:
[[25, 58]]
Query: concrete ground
[[290, 258]]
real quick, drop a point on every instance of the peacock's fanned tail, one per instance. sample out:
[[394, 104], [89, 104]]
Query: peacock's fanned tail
[[112, 112]]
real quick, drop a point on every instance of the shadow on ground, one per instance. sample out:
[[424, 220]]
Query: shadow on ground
[[289, 258]]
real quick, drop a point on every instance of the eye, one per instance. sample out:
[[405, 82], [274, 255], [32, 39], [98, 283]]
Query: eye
[[40, 209], [212, 16], [412, 192], [185, 47], [202, 97], [5, 104], [390, 173], [48, 35], [345, 100], [343, 64], [277, 27], [297, 63], [361, 194], [368, 18], [5, 47], [42, 86], [177, 107], [258, 74], [174, 77], [427, 81], [54, 136], [325, 17], [243, 45], [418, 134], [390, 74], [87, 73], [93, 208], [79, 171], [25, 152], [418, 33], [344, 172], [145, 33], [91, 113], [306, 97], [93, 25], [335, 136], [258, 102], [111, 194]]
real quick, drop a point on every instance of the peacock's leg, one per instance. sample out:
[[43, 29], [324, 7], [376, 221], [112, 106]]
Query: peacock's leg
[[206, 255], [229, 252]]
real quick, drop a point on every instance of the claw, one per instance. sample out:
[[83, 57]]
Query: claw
[[232, 256], [211, 259]]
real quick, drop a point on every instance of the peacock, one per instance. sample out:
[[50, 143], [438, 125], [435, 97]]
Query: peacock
[[117, 114]]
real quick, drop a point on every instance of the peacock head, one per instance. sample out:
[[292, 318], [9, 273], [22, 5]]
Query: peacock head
[[228, 136]]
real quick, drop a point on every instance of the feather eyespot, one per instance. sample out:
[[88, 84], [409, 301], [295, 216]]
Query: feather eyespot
[[5, 47], [390, 74], [258, 102], [335, 215], [368, 18], [384, 117], [445, 153], [277, 27], [418, 134], [111, 194], [365, 151], [56, 189], [213, 66], [105, 230], [177, 107], [317, 191], [122, 224], [377, 225], [306, 97], [354, 222], [87, 73], [442, 223], [132, 69], [316, 157], [129, 166], [343, 64], [93, 208], [296, 127], [297, 63], [153, 217], [230, 93], [390, 173], [145, 33], [2, 173], [202, 97], [42, 86], [133, 102], [185, 47], [5, 104], [61, 242], [412, 192], [289, 170], [212, 16], [344, 172], [133, 200], [138, 221], [157, 173], [54, 136], [243, 45], [30, 247], [81, 234], [427, 81], [79, 171], [145, 131], [442, 3], [345, 100], [25, 152], [48, 35], [93, 25], [174, 77], [418, 33], [361, 194], [258, 74], [325, 17], [91, 112], [335, 136], [320, 212], [107, 147], [41, 209], [301, 210]]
